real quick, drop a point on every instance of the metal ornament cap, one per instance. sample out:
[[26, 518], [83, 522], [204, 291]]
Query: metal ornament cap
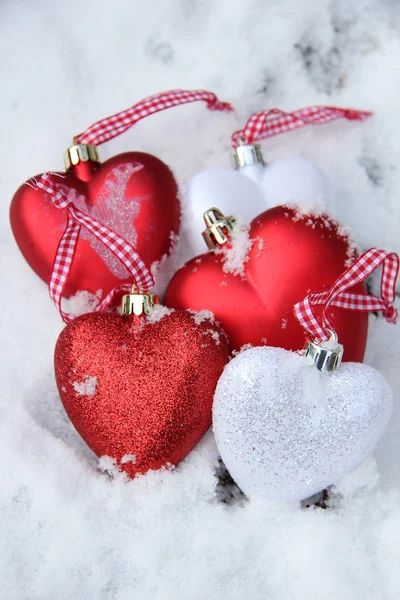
[[218, 227], [247, 154], [138, 304], [80, 153], [326, 356]]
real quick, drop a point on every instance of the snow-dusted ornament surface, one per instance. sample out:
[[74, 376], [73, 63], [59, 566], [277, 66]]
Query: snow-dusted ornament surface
[[252, 276], [288, 424], [139, 387], [254, 185]]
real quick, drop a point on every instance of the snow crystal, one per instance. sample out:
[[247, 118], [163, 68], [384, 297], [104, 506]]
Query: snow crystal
[[87, 387], [214, 334], [158, 312], [202, 315], [343, 231], [128, 458], [164, 269], [80, 303], [235, 254]]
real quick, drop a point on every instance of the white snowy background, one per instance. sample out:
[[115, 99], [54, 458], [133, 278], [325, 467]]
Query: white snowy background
[[66, 529]]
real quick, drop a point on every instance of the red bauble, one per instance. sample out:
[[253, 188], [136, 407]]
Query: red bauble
[[141, 205], [291, 255], [140, 393]]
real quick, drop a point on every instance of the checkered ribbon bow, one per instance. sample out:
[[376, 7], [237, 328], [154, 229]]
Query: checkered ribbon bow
[[76, 219], [267, 123], [110, 127], [338, 295]]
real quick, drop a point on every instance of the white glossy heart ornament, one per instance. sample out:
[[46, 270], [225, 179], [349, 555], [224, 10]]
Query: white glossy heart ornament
[[286, 431], [251, 189]]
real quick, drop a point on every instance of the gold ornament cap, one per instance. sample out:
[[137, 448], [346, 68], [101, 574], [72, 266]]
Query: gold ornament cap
[[80, 153], [138, 304], [218, 227], [326, 356]]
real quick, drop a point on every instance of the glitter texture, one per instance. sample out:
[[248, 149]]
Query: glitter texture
[[286, 431], [117, 210], [288, 259], [154, 384]]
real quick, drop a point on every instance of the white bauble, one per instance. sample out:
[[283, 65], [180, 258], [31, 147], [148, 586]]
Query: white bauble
[[296, 180], [252, 189], [286, 431]]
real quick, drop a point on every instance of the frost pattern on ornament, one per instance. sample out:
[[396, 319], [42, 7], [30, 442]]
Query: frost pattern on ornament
[[285, 431], [113, 209], [87, 387]]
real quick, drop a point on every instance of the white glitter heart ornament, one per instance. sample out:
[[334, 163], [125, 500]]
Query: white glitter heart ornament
[[285, 430]]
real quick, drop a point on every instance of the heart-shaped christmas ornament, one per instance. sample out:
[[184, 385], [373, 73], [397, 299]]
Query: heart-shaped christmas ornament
[[252, 188], [139, 388], [285, 430], [256, 186], [288, 425], [252, 282], [134, 193]]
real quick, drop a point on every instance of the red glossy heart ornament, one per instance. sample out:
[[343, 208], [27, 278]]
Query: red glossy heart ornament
[[291, 255], [140, 392], [134, 193]]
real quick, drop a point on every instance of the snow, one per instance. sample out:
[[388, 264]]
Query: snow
[[236, 254], [87, 387], [70, 530], [201, 316], [158, 312]]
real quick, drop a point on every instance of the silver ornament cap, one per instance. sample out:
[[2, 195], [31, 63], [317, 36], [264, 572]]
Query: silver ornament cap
[[326, 356], [247, 154]]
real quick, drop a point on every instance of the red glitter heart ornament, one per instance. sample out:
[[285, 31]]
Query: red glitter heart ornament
[[135, 194], [140, 390], [291, 254]]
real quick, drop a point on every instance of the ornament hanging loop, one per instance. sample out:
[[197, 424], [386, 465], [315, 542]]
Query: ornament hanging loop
[[268, 123], [338, 295], [110, 127], [326, 356]]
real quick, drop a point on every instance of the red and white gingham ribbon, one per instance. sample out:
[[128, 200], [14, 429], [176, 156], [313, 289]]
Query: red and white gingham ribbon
[[273, 122], [110, 127], [361, 268], [120, 247]]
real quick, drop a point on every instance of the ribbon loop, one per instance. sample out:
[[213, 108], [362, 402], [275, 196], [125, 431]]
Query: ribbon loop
[[391, 314], [108, 128], [118, 245], [338, 295], [48, 185], [268, 123]]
